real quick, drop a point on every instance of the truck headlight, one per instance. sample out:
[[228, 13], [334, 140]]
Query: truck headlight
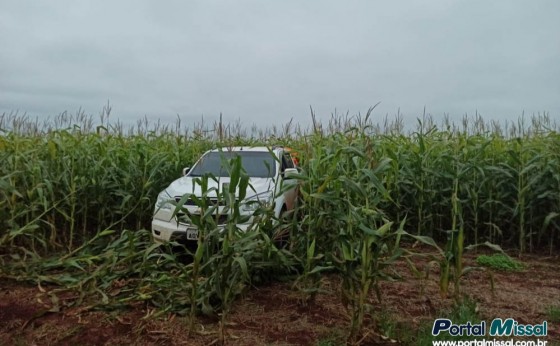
[[261, 200], [164, 201]]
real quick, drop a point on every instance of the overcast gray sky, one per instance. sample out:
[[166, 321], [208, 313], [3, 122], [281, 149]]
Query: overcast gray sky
[[265, 62]]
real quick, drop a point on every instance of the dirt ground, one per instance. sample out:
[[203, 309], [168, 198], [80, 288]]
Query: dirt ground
[[274, 315]]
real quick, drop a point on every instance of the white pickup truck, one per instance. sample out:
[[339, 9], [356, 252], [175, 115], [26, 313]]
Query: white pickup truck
[[270, 172]]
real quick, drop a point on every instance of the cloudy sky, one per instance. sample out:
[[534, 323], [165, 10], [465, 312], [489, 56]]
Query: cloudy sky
[[265, 62]]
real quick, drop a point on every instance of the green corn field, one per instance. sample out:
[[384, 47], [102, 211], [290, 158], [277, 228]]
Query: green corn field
[[59, 187], [77, 196]]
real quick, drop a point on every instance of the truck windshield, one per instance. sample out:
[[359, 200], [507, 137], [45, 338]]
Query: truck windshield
[[256, 164]]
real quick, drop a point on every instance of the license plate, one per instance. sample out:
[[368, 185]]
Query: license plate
[[192, 234]]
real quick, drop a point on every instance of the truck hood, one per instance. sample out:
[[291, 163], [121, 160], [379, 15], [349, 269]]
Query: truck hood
[[187, 184]]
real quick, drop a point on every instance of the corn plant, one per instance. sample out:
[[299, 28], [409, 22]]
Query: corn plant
[[226, 256], [206, 225], [344, 228], [312, 242]]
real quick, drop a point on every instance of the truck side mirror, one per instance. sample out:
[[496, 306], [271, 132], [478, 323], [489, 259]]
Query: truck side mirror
[[186, 170], [290, 173]]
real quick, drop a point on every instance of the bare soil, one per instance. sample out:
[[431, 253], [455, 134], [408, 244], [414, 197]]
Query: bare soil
[[274, 314]]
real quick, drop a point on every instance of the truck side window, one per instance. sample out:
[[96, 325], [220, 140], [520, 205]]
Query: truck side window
[[287, 161]]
